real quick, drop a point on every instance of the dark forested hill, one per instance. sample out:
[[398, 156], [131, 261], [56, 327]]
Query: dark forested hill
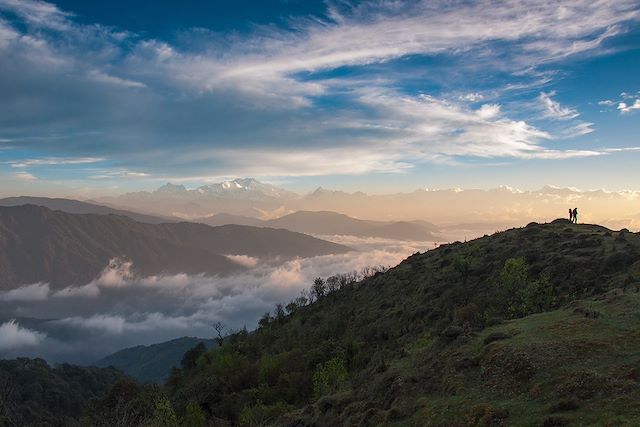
[[79, 207], [532, 326], [41, 245], [152, 363], [329, 223], [32, 393]]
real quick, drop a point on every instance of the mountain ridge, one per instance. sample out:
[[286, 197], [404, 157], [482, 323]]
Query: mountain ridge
[[41, 245], [80, 207], [530, 326], [332, 223], [152, 363]]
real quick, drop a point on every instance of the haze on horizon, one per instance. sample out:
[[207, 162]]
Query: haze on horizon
[[381, 97]]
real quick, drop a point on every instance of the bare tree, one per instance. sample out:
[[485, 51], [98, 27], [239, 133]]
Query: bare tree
[[220, 329]]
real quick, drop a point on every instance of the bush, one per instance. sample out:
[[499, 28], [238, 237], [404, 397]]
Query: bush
[[260, 415], [329, 377], [194, 416], [524, 296]]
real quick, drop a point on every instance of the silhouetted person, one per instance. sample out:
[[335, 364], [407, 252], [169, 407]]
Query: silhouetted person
[[575, 215], [570, 215]]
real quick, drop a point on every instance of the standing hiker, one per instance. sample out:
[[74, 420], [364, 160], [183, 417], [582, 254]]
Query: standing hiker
[[575, 215], [570, 215]]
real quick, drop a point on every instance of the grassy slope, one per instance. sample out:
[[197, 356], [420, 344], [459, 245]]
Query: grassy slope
[[559, 366], [404, 371]]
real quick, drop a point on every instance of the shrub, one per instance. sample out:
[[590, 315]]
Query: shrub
[[329, 377], [523, 295], [194, 416], [260, 414]]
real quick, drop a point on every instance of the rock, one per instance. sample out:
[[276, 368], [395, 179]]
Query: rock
[[587, 312], [496, 336], [452, 332]]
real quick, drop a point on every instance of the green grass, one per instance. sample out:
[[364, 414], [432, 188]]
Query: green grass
[[594, 364]]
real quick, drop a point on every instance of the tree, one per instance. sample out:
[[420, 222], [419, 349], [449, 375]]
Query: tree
[[523, 295], [220, 329], [291, 307], [194, 416], [333, 284], [304, 298], [190, 358], [319, 288], [279, 312], [329, 377], [265, 320], [462, 265]]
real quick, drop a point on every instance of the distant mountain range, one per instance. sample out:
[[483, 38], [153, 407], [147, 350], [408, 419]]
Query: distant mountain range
[[152, 363], [41, 245], [488, 209], [78, 207], [332, 223], [246, 196], [310, 222]]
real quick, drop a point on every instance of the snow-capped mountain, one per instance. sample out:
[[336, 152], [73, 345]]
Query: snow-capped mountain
[[246, 189], [241, 196]]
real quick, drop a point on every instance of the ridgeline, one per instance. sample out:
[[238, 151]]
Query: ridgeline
[[532, 326]]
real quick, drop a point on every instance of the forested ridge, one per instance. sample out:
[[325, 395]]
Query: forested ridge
[[532, 326]]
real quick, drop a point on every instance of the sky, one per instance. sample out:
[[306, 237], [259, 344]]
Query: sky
[[382, 96]]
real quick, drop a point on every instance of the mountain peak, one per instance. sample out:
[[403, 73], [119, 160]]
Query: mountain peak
[[171, 188]]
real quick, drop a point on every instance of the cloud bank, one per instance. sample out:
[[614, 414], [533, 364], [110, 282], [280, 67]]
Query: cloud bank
[[14, 337], [117, 310]]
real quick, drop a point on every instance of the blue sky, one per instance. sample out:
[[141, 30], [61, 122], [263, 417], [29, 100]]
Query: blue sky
[[107, 97]]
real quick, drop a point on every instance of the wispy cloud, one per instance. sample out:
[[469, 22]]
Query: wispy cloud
[[53, 161], [34, 292], [24, 176], [272, 91], [553, 109]]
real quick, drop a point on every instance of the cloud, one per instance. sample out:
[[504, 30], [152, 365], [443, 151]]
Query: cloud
[[15, 337], [426, 127], [623, 107], [53, 161], [244, 260], [98, 322], [90, 290], [101, 77], [133, 310], [24, 176], [471, 97], [271, 88], [34, 292], [626, 104], [554, 110]]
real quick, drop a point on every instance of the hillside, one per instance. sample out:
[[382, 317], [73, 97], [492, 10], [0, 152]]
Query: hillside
[[32, 393], [41, 245], [226, 219], [332, 223], [532, 326], [79, 207], [152, 363]]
